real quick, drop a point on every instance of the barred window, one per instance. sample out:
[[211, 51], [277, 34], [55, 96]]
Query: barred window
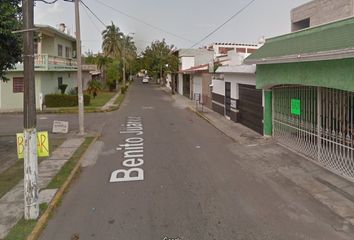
[[18, 84], [60, 50]]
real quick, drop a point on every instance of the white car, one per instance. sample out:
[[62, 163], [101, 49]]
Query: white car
[[145, 80]]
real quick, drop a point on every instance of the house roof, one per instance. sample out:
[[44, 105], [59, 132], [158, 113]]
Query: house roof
[[248, 69], [199, 68], [56, 31], [330, 41]]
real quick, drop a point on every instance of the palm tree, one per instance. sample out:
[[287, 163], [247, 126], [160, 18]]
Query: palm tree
[[112, 45], [129, 53], [101, 63]]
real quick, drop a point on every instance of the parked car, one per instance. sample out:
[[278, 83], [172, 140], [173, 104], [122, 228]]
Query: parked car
[[145, 80]]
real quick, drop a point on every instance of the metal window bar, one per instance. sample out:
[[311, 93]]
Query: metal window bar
[[324, 129]]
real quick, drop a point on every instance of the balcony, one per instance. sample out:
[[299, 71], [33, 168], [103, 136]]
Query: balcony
[[44, 62]]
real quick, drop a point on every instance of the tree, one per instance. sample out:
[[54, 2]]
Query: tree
[[102, 63], [159, 59], [10, 44], [113, 73], [111, 44]]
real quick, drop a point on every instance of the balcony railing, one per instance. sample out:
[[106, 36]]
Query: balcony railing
[[46, 62]]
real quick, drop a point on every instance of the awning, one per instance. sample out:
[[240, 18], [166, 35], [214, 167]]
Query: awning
[[326, 42], [200, 68], [95, 72]]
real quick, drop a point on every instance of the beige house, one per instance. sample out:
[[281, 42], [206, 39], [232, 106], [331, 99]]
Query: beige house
[[55, 64]]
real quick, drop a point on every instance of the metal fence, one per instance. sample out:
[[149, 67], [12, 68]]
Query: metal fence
[[317, 122]]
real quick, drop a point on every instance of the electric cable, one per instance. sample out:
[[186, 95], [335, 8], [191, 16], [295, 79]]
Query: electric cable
[[224, 23], [94, 24], [144, 22], [94, 14]]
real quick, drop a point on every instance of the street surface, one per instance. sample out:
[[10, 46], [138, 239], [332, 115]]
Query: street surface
[[185, 183]]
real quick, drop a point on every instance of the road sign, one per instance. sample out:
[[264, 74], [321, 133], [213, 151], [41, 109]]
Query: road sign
[[296, 107], [60, 127], [42, 144]]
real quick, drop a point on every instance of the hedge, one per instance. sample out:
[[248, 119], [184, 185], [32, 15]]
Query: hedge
[[63, 100]]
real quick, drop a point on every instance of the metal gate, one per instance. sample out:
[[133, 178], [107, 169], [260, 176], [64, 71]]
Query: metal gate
[[317, 122]]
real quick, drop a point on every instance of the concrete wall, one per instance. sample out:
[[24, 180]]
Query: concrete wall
[[187, 62], [180, 84], [321, 11], [47, 46], [14, 101], [46, 83], [197, 85], [207, 96], [64, 43], [218, 87]]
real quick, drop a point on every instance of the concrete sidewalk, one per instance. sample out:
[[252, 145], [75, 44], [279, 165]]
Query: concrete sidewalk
[[12, 203], [110, 103], [277, 164]]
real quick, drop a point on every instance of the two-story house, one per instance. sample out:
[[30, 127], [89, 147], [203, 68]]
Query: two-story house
[[55, 64]]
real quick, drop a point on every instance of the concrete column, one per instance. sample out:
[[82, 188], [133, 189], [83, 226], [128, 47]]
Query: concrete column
[[268, 113]]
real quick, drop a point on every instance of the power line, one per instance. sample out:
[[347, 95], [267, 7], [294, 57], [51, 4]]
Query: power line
[[94, 24], [93, 14], [143, 22], [224, 23]]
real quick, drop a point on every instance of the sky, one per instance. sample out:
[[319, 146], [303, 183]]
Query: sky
[[181, 23]]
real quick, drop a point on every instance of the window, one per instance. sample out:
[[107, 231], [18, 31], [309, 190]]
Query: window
[[18, 84], [67, 52], [60, 81], [60, 50]]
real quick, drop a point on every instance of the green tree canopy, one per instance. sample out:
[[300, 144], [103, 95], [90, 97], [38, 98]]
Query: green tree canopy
[[112, 44], [10, 43], [159, 56]]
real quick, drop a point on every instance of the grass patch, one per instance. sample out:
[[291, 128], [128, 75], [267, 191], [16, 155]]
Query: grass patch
[[24, 227], [101, 99], [119, 99], [65, 171], [13, 175]]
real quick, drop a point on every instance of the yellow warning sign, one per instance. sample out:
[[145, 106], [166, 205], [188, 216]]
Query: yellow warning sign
[[42, 144]]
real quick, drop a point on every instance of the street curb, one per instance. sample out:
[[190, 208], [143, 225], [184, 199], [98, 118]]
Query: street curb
[[42, 221], [200, 115]]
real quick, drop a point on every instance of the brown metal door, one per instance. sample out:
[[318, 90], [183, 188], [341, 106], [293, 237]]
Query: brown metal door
[[250, 107], [228, 99]]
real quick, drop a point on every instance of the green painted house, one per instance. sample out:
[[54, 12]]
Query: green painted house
[[308, 79], [55, 64]]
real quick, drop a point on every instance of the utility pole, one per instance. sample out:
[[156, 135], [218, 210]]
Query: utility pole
[[31, 206], [79, 69]]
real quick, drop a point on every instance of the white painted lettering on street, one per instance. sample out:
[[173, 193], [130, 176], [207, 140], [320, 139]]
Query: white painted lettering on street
[[133, 153]]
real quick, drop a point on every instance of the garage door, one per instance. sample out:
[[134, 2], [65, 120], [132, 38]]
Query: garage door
[[250, 107]]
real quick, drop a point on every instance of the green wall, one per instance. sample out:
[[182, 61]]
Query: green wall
[[338, 74]]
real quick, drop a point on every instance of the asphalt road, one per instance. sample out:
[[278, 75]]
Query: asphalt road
[[194, 187]]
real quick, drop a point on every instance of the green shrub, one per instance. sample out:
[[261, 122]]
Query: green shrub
[[62, 88], [124, 89], [59, 100]]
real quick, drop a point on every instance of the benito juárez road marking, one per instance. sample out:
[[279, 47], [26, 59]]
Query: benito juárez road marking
[[133, 153]]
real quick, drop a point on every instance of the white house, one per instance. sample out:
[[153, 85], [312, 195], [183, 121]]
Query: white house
[[234, 92]]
